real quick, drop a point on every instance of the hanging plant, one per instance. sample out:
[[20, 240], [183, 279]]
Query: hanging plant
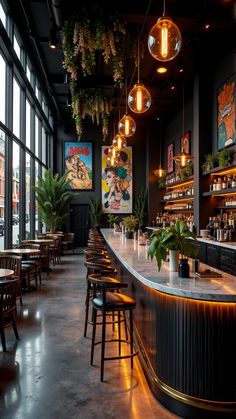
[[92, 103], [88, 33]]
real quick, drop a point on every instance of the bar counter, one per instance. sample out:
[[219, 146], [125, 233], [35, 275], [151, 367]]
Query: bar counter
[[185, 330]]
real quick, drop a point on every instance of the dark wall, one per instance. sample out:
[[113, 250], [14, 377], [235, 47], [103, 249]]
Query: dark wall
[[93, 134]]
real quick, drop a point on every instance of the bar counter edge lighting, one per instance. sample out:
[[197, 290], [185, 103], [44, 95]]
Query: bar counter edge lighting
[[187, 347]]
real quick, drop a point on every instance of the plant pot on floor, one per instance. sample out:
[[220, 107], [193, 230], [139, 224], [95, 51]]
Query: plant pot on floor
[[174, 260], [183, 268], [129, 234]]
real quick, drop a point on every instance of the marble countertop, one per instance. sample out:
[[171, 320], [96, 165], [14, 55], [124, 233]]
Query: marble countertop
[[134, 257], [228, 245]]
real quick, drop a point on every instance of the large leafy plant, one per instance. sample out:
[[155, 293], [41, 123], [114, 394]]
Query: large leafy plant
[[95, 211], [53, 199], [177, 237]]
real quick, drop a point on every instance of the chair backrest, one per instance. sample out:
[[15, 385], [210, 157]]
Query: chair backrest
[[12, 262], [8, 292], [29, 246], [69, 237], [103, 269]]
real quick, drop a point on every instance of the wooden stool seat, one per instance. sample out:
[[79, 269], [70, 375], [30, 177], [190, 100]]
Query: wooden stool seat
[[114, 301]]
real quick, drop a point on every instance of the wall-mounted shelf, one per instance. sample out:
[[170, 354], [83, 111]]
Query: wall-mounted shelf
[[180, 199], [181, 183], [228, 191], [179, 209], [226, 207], [221, 170]]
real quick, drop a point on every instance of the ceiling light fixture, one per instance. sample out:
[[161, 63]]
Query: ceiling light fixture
[[160, 172], [164, 39], [119, 142], [183, 158], [161, 70], [126, 125], [53, 40], [139, 98]]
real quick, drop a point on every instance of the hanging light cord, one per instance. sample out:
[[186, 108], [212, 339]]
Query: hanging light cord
[[164, 7], [138, 61], [183, 106], [160, 142]]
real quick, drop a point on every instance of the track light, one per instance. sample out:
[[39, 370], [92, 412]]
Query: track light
[[53, 40]]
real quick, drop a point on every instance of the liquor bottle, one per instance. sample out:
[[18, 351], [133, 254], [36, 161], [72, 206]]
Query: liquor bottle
[[224, 183]]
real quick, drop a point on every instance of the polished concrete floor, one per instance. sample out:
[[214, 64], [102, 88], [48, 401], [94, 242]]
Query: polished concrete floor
[[47, 374]]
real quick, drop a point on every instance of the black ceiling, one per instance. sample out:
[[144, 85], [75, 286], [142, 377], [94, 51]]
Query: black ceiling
[[190, 16]]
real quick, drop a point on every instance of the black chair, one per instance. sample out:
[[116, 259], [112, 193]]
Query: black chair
[[8, 292], [108, 302]]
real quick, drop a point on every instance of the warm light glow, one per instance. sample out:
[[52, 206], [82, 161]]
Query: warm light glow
[[139, 99], [224, 194], [119, 142], [161, 70], [127, 126], [164, 40], [224, 172], [160, 172], [178, 199], [112, 152], [178, 184], [183, 161]]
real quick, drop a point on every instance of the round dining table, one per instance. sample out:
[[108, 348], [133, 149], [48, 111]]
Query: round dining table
[[20, 252], [5, 273], [38, 241]]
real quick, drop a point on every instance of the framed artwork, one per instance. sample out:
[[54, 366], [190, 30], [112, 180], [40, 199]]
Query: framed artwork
[[78, 158], [226, 114], [117, 183], [170, 155], [185, 143]]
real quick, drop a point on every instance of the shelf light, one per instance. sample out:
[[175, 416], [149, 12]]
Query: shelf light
[[189, 182], [225, 172]]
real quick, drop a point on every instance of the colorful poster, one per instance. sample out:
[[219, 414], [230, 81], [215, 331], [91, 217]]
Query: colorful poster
[[78, 158], [170, 160], [226, 114], [185, 143], [117, 183]]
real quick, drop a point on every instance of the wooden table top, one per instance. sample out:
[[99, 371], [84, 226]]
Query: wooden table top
[[20, 251], [39, 241], [6, 273]]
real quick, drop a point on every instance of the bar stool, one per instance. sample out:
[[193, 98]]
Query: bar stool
[[106, 272], [91, 252], [110, 303]]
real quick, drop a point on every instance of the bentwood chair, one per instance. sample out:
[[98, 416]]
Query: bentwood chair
[[8, 292], [13, 262]]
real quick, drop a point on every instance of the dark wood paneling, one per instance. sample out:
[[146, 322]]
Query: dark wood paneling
[[80, 223]]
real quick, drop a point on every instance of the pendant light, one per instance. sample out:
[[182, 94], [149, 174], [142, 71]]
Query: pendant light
[[139, 98], [119, 142], [126, 125], [164, 39], [183, 158], [160, 172]]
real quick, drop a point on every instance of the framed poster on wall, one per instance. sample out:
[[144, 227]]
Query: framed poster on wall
[[226, 114], [185, 143], [170, 155], [78, 159], [117, 183]]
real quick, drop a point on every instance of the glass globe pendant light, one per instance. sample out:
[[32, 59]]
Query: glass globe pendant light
[[126, 125], [164, 39], [119, 142], [160, 172], [139, 98]]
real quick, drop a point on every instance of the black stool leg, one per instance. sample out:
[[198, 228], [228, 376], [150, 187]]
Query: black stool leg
[[103, 342], [94, 334], [119, 335], [86, 312], [3, 339], [126, 331], [15, 328], [131, 337]]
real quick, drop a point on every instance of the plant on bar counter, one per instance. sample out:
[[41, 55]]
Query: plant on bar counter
[[112, 219], [53, 199], [140, 207], [177, 237]]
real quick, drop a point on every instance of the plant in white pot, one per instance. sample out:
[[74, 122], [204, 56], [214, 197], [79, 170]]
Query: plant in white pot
[[178, 238]]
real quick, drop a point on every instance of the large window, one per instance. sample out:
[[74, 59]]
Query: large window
[[28, 124], [3, 16], [2, 187], [3, 89], [36, 204], [27, 195], [16, 108], [15, 192], [36, 136], [44, 145]]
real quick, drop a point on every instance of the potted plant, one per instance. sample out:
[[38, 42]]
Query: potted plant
[[178, 238], [53, 199], [130, 223], [226, 157], [95, 212], [112, 220], [140, 208], [212, 161]]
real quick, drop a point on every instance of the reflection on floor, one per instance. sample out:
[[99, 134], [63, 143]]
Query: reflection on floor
[[47, 374]]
